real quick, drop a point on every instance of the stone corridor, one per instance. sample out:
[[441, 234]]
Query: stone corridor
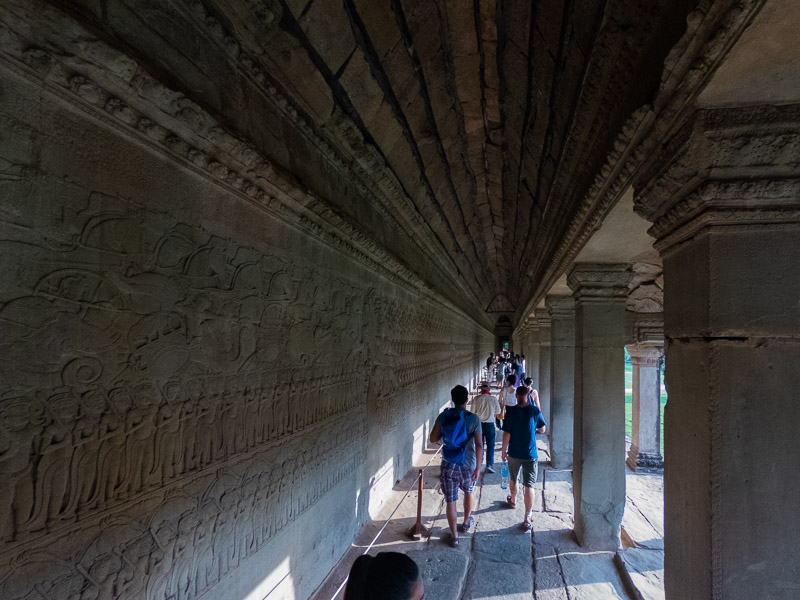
[[247, 248], [500, 561]]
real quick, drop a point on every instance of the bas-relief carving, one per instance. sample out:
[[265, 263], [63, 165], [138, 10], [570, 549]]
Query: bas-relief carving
[[141, 355]]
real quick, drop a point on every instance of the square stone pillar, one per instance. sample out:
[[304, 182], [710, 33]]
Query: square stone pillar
[[562, 379], [725, 205], [598, 472], [543, 321], [532, 355], [645, 452]]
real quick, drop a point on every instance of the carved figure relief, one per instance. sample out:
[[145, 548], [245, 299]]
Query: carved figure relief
[[142, 357]]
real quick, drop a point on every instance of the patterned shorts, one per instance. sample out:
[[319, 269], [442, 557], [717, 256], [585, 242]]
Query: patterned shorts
[[454, 477]]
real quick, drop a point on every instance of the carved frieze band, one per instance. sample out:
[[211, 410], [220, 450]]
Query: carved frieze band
[[732, 166], [599, 281], [560, 307]]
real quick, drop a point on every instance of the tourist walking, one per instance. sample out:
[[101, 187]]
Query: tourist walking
[[486, 406], [507, 397], [520, 426], [462, 454], [533, 393]]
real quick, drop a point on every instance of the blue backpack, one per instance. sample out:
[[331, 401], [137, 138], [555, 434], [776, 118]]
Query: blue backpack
[[454, 434]]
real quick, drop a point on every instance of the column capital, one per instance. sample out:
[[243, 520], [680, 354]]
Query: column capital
[[560, 307], [544, 323], [734, 166], [599, 281], [543, 318], [645, 355]]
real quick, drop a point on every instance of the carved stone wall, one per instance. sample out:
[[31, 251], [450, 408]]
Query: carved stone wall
[[190, 382]]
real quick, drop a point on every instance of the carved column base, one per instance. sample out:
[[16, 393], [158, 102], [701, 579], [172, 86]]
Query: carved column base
[[643, 461]]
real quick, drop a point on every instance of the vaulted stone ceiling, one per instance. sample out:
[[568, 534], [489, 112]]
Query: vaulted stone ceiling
[[492, 116], [461, 135]]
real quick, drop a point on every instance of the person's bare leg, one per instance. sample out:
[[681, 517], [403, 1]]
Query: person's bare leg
[[452, 518], [527, 494], [467, 507]]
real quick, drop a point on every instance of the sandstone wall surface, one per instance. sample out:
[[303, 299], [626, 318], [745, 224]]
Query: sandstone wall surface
[[201, 394]]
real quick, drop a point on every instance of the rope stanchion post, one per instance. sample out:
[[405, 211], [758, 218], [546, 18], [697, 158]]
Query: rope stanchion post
[[419, 517], [418, 530]]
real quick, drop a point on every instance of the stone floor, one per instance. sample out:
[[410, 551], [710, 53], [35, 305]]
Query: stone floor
[[499, 560]]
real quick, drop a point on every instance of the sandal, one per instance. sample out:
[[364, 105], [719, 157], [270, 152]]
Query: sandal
[[509, 503], [526, 524], [465, 526], [453, 541]]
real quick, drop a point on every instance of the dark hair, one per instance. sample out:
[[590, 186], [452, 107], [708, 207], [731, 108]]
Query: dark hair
[[459, 395], [528, 381], [386, 576], [522, 391], [511, 378]]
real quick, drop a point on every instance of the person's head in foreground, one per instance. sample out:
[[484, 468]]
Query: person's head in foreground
[[484, 387], [385, 576], [459, 395]]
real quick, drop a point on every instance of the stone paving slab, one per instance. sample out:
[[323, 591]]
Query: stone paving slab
[[490, 579], [549, 581], [443, 571], [646, 570], [496, 540], [591, 576], [644, 510], [643, 529], [558, 491]]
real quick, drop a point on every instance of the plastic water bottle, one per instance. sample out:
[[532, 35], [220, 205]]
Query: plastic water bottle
[[504, 476]]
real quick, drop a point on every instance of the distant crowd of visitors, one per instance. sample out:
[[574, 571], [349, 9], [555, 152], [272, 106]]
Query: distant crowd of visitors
[[467, 436]]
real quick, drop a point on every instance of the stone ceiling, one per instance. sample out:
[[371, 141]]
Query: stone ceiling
[[493, 117], [460, 136]]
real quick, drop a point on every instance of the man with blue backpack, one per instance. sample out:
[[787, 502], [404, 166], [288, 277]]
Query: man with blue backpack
[[462, 454]]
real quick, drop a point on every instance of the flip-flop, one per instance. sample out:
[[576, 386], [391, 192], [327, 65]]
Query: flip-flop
[[509, 503]]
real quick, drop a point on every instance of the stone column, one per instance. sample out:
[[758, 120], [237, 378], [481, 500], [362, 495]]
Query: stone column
[[600, 292], [562, 379], [646, 427], [532, 355], [543, 321], [731, 252]]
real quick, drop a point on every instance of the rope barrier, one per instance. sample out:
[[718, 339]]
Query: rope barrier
[[375, 539]]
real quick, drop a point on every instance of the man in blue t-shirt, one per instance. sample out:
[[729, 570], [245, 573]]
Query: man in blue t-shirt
[[520, 426]]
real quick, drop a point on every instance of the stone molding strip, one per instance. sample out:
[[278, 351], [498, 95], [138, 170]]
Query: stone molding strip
[[599, 282]]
